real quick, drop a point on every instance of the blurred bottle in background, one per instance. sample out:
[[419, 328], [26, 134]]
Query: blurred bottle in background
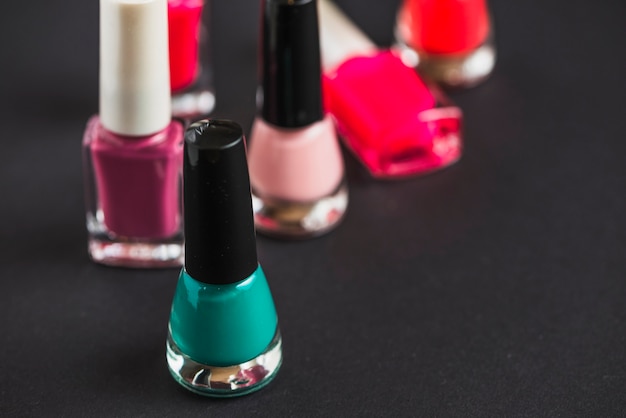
[[448, 41]]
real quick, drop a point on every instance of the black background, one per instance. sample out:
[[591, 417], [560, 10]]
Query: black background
[[493, 288]]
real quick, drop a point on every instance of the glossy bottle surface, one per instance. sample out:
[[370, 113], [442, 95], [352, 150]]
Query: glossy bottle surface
[[133, 189], [390, 118], [223, 325]]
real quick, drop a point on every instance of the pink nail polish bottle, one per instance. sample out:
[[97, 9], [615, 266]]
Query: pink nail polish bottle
[[393, 122], [449, 41], [133, 150], [296, 166]]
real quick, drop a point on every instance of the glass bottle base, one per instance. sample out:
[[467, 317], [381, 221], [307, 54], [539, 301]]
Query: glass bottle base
[[193, 103], [225, 381], [299, 220], [107, 249], [136, 254], [450, 70]]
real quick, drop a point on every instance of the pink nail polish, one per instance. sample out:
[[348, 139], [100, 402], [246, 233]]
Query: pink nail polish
[[451, 41], [393, 122], [132, 151], [296, 166]]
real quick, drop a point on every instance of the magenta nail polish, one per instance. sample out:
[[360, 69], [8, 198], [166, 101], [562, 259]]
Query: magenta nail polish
[[133, 151], [395, 124]]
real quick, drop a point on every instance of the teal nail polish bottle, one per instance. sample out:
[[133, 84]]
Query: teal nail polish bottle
[[223, 332]]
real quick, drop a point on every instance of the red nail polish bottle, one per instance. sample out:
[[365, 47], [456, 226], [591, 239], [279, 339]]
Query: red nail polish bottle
[[190, 63], [451, 40]]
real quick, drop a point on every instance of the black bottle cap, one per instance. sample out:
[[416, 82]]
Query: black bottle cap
[[220, 245], [290, 71]]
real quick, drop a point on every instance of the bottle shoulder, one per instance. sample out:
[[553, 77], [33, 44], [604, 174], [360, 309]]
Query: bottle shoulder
[[168, 140]]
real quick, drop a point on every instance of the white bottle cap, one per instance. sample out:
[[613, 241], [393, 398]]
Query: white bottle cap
[[134, 66], [340, 39]]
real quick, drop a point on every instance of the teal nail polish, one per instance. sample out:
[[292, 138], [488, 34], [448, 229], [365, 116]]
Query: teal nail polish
[[223, 336], [242, 315]]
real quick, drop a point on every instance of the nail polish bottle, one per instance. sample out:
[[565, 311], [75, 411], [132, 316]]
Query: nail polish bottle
[[191, 75], [451, 40], [132, 151], [296, 166], [223, 336], [393, 122]]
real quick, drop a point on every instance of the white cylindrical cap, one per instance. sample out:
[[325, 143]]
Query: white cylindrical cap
[[134, 66], [340, 39]]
